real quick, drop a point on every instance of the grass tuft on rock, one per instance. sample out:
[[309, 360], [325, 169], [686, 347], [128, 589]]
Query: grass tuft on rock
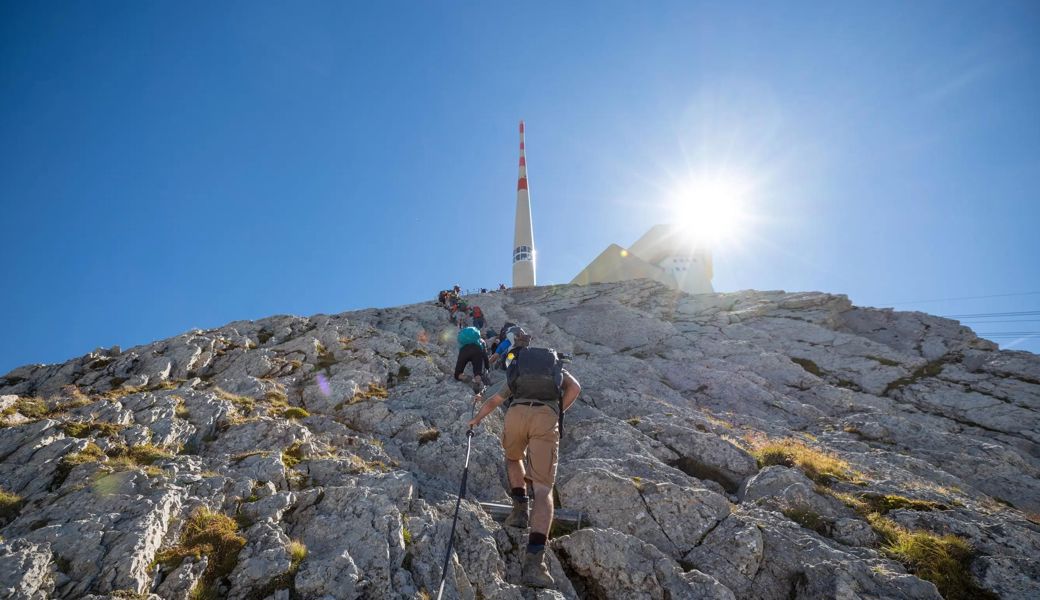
[[30, 408], [868, 503], [292, 455], [808, 365], [808, 518], [297, 552], [82, 429], [10, 504], [237, 458], [142, 455], [819, 466], [295, 412], [943, 560], [91, 453], [277, 397], [244, 404], [211, 534], [373, 391], [884, 503], [121, 391], [429, 435], [325, 358]]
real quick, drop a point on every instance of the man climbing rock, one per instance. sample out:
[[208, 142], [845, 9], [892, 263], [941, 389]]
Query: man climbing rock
[[540, 391]]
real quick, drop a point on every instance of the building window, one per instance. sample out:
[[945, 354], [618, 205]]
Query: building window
[[523, 253]]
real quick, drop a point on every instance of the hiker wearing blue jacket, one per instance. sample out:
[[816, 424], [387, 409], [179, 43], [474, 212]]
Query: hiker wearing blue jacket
[[508, 339], [473, 352]]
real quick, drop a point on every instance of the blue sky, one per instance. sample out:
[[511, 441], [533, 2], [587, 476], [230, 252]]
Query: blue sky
[[169, 165]]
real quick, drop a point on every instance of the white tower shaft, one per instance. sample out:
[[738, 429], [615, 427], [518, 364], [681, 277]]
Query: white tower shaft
[[523, 234]]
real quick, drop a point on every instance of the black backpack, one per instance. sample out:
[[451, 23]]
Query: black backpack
[[536, 374]]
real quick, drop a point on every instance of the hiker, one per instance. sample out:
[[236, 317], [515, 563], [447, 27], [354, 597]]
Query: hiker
[[462, 314], [491, 341], [478, 317], [442, 298], [472, 351], [540, 391], [504, 343]]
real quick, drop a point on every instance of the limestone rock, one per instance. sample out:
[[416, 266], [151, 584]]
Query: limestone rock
[[610, 564], [733, 553], [1010, 578], [179, 583], [265, 558], [671, 517], [25, 570], [783, 489], [706, 455]]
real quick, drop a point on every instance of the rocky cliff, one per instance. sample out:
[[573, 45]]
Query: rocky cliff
[[749, 445]]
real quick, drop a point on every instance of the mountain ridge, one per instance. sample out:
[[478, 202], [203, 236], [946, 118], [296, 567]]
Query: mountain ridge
[[698, 450]]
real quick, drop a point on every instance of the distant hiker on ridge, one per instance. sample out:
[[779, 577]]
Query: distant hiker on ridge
[[462, 314], [541, 391], [478, 316]]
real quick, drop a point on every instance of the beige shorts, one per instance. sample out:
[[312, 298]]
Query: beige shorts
[[533, 430]]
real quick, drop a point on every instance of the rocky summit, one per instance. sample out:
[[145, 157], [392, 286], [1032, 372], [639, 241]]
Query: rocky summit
[[759, 445]]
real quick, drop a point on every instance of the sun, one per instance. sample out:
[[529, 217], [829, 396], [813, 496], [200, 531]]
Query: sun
[[711, 208]]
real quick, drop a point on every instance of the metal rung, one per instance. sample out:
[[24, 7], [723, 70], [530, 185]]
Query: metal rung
[[565, 516]]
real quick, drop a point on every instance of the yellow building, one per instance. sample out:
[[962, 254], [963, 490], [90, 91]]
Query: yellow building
[[663, 254]]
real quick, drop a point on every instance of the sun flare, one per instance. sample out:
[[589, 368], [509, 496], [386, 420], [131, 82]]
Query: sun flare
[[711, 209]]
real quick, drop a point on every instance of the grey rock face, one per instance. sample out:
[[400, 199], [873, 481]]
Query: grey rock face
[[733, 553], [781, 488], [671, 517], [1015, 578], [178, 584], [345, 435], [265, 558], [610, 564], [25, 570]]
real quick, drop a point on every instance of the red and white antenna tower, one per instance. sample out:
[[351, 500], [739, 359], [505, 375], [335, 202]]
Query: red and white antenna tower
[[523, 234]]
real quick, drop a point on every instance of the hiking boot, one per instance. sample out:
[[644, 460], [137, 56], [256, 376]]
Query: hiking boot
[[518, 517], [535, 571]]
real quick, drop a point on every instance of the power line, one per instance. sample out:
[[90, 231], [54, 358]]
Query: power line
[[1024, 313], [962, 298], [987, 322]]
